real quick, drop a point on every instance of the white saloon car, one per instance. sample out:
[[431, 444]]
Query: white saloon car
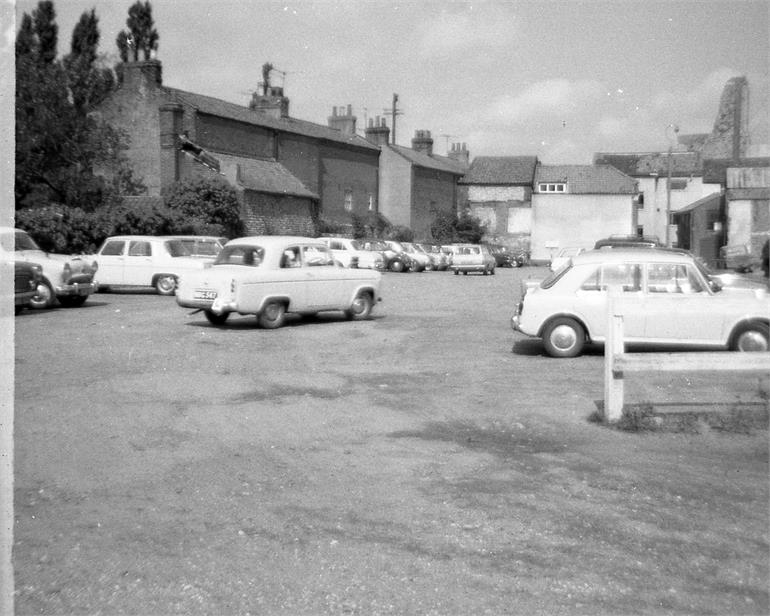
[[144, 261], [269, 276], [351, 253], [663, 295], [68, 279], [472, 258]]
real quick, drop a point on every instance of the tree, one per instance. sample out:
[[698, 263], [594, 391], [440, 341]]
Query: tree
[[448, 227], [206, 206], [141, 36], [58, 142]]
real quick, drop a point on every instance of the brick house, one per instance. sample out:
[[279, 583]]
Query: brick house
[[415, 183], [575, 205], [498, 191], [288, 173]]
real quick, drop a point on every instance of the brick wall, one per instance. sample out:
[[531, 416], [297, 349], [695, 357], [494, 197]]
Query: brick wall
[[265, 214]]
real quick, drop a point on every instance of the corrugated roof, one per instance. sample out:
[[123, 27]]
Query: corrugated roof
[[501, 170], [588, 179], [266, 176], [224, 109], [439, 163], [644, 164]]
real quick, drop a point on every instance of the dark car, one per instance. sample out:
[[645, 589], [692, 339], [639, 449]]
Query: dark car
[[628, 241], [26, 278]]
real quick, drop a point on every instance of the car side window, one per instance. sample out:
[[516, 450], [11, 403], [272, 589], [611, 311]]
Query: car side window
[[672, 278], [626, 276], [139, 249], [317, 255], [113, 248], [291, 258]]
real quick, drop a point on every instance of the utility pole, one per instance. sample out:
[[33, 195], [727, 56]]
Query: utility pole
[[668, 183], [394, 111]]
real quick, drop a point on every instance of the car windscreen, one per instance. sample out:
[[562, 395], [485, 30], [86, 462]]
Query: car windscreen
[[24, 241], [241, 254]]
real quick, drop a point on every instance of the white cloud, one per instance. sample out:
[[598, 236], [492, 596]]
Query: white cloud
[[559, 97]]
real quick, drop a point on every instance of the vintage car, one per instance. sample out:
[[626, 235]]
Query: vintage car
[[738, 257], [144, 261], [503, 255], [628, 241], [398, 249], [663, 295], [439, 258], [201, 246], [270, 276], [394, 261], [472, 258], [418, 255], [27, 276], [351, 253], [68, 279]]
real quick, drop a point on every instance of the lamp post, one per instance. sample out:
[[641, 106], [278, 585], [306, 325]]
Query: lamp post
[[675, 130]]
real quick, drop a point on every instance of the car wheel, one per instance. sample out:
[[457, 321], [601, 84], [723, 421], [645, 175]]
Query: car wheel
[[397, 266], [465, 273], [214, 318], [752, 337], [564, 337], [429, 267], [43, 297], [165, 284], [361, 307], [492, 272], [72, 301], [272, 315]]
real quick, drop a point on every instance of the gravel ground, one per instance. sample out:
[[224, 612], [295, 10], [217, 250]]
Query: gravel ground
[[427, 461]]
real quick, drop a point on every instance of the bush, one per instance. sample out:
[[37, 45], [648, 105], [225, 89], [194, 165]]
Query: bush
[[62, 229], [448, 227], [205, 206]]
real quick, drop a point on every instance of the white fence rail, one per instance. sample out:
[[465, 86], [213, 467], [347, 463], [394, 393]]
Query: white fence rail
[[618, 363]]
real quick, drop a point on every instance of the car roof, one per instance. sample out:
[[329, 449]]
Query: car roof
[[275, 240], [620, 255], [141, 237]]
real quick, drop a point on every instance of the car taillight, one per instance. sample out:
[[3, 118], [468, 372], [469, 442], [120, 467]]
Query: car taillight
[[66, 272], [94, 266]]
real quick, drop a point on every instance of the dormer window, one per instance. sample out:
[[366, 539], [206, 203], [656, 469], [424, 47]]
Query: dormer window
[[552, 187]]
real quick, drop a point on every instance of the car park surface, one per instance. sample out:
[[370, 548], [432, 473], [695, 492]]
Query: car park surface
[[426, 461], [144, 261]]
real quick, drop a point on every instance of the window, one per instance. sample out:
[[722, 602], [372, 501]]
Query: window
[[318, 255], [555, 187], [348, 200], [139, 249], [678, 184], [113, 249], [672, 278], [290, 257], [626, 276]]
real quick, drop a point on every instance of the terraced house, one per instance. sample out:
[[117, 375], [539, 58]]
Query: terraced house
[[287, 172]]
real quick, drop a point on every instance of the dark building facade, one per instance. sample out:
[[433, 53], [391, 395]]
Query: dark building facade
[[289, 173]]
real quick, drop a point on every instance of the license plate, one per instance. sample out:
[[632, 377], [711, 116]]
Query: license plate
[[204, 294]]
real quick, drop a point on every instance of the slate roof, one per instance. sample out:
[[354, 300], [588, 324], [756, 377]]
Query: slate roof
[[266, 176], [223, 109], [646, 163], [421, 159], [588, 179], [501, 170]]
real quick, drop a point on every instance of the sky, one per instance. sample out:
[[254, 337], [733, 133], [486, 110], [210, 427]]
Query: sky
[[558, 79]]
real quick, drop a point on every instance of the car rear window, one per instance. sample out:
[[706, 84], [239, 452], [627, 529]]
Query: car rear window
[[241, 254]]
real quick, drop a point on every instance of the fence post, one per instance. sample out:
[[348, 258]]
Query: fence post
[[613, 346]]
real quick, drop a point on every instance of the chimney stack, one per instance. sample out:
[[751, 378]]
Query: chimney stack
[[377, 132], [459, 153], [343, 120], [272, 102], [422, 142], [143, 75]]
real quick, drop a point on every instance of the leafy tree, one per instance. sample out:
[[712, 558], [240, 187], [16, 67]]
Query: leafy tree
[[141, 36], [448, 227], [46, 31], [206, 206]]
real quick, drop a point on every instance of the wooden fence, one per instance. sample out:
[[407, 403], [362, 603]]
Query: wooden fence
[[618, 363]]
